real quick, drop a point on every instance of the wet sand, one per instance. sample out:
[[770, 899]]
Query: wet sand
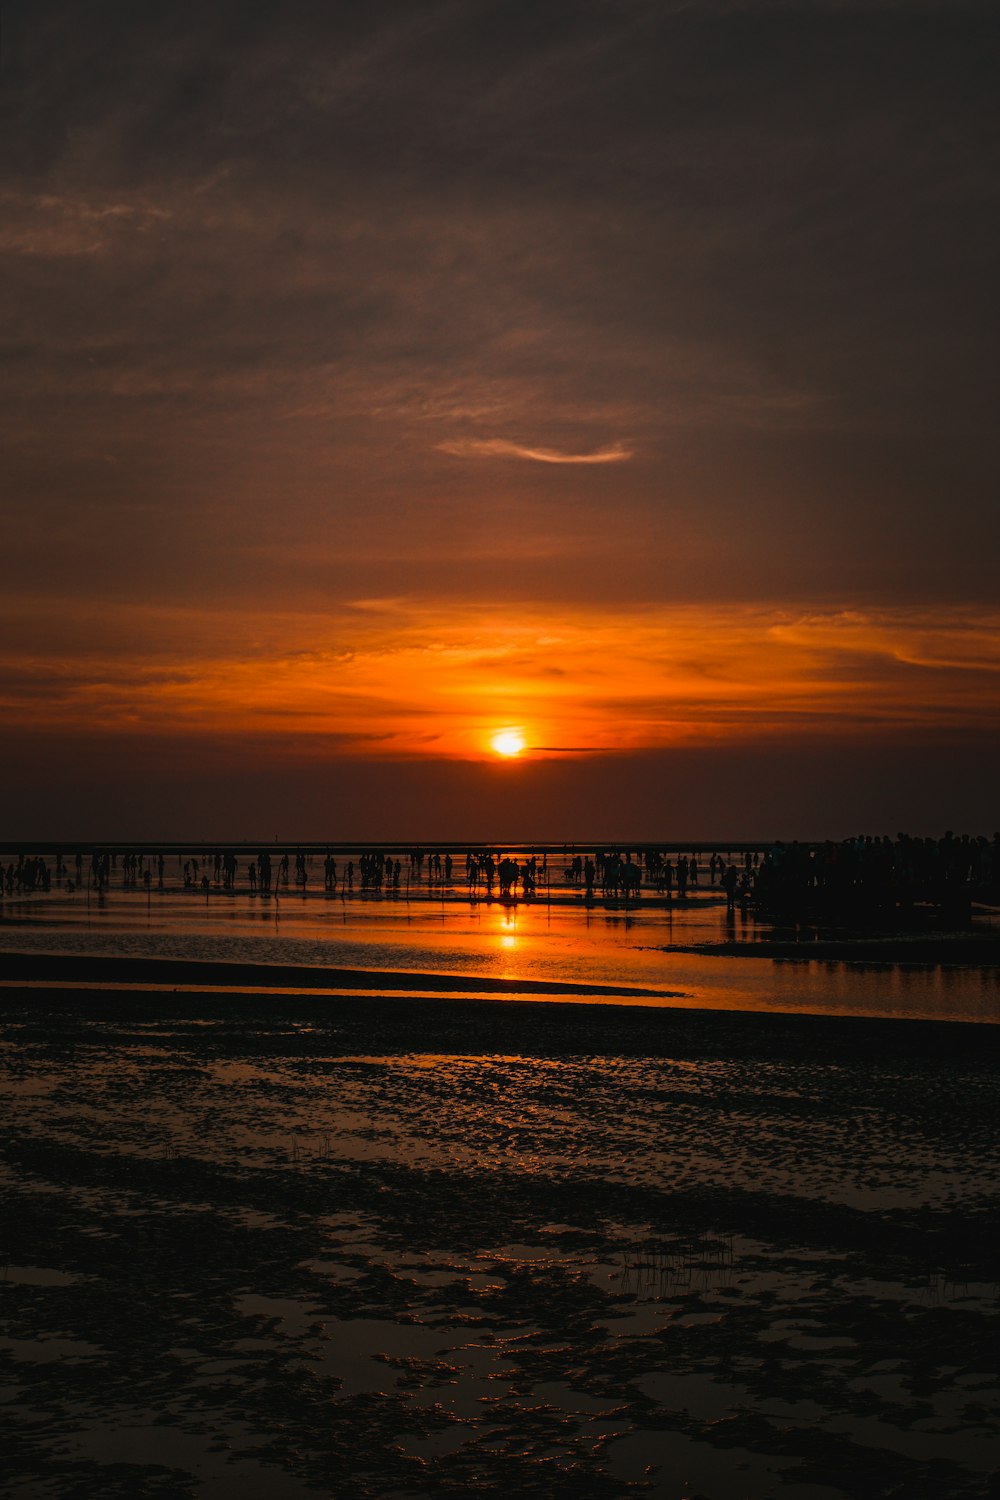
[[58, 968], [376, 1245], [953, 949], [929, 948]]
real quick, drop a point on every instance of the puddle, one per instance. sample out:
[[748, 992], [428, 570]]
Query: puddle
[[47, 1351], [37, 1276], [698, 1394], [219, 1475], [685, 1466]]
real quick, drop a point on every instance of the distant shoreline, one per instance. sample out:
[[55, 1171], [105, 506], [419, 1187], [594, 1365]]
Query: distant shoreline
[[273, 846]]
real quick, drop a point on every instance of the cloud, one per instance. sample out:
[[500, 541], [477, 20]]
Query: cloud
[[271, 272], [45, 225], [501, 448], [399, 676]]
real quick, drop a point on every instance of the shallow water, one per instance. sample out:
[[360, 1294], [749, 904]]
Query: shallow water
[[562, 941]]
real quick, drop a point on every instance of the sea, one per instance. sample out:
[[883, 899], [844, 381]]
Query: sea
[[682, 953]]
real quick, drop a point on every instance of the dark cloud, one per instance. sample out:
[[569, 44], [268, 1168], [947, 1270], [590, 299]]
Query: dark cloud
[[269, 270]]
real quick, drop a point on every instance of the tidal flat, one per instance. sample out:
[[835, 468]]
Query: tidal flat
[[387, 1246]]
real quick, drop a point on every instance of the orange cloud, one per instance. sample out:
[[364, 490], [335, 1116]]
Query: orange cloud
[[403, 678], [501, 448]]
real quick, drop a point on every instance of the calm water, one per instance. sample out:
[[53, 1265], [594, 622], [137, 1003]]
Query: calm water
[[558, 942]]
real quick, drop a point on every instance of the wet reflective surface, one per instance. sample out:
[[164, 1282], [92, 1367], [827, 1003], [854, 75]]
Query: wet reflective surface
[[562, 941], [726, 1229]]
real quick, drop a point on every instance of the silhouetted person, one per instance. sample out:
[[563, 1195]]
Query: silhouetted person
[[730, 880]]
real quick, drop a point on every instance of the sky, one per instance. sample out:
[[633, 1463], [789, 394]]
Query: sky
[[381, 378]]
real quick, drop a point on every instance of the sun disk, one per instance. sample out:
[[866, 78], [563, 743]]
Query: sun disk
[[508, 742]]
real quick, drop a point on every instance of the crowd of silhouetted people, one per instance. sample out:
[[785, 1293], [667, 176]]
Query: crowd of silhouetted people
[[25, 876], [878, 873], [869, 873]]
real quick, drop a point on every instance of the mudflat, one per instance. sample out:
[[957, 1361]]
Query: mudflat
[[300, 1244]]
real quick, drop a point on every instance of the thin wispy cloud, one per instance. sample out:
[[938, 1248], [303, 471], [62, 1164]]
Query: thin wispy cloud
[[501, 448]]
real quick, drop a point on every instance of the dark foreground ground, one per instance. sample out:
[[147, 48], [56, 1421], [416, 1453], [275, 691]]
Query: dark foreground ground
[[384, 1246]]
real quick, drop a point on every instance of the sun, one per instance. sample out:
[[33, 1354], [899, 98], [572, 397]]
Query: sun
[[508, 742]]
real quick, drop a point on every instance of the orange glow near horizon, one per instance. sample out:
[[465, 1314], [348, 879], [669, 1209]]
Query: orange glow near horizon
[[405, 678]]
